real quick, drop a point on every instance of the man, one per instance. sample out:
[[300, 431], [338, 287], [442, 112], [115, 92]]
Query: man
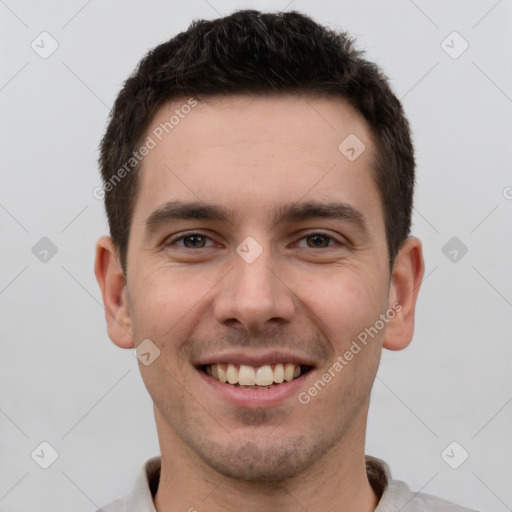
[[258, 178]]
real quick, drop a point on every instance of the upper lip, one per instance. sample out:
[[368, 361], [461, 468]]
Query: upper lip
[[256, 360]]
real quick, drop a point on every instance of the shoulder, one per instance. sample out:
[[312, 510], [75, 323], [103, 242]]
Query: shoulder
[[396, 495], [428, 503], [140, 498], [119, 505]]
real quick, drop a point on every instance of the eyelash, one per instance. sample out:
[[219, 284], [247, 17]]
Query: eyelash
[[182, 236]]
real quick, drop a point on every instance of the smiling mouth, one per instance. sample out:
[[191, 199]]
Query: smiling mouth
[[250, 377]]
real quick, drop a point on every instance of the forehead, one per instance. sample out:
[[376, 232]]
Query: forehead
[[312, 124], [255, 151]]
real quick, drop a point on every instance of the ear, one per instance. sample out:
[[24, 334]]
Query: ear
[[113, 289], [408, 270]]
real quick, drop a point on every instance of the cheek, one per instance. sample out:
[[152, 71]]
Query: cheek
[[161, 301], [346, 301], [169, 305]]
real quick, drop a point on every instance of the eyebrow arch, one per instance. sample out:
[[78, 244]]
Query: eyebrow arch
[[173, 211]]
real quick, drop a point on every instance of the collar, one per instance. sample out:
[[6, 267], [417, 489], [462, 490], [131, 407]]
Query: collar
[[389, 491]]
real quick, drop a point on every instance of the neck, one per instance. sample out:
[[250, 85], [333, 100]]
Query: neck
[[337, 481]]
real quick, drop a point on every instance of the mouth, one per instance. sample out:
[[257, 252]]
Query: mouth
[[250, 380], [261, 377]]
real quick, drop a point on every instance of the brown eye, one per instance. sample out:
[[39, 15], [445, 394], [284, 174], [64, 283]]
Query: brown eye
[[190, 241], [318, 240], [195, 241]]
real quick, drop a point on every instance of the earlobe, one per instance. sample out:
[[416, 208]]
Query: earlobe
[[113, 289], [408, 270]]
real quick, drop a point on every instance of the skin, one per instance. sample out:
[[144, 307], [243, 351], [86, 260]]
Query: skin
[[199, 297]]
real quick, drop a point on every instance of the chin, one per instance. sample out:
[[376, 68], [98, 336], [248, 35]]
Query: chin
[[264, 462]]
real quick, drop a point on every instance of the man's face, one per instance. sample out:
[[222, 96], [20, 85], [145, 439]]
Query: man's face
[[257, 290]]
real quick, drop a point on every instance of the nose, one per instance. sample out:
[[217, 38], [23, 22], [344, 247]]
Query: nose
[[253, 295]]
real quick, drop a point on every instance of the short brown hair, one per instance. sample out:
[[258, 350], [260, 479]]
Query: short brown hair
[[250, 52]]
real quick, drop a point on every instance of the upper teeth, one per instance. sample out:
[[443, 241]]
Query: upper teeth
[[245, 375]]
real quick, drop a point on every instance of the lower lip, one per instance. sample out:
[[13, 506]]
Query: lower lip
[[240, 397]]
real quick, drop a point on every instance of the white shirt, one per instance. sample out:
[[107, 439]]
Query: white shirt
[[395, 496]]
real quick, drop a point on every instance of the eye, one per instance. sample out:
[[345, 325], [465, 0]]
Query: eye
[[191, 240], [319, 240]]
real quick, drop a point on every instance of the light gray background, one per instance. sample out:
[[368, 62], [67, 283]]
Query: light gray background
[[64, 382]]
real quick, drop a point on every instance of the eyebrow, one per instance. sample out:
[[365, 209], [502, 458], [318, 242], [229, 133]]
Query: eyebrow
[[176, 210]]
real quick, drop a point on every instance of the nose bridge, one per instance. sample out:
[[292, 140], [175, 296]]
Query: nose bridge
[[253, 294]]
